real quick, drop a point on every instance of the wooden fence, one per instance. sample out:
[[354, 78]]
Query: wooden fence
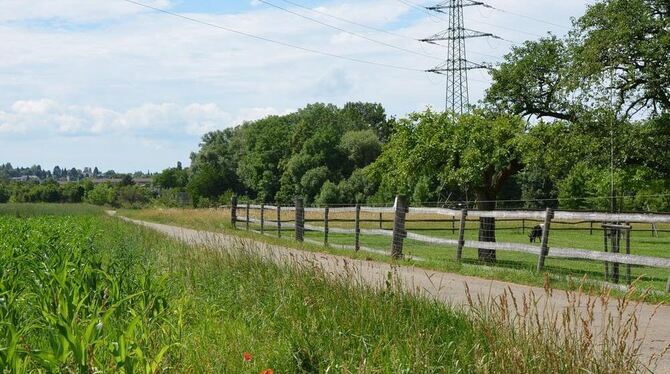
[[616, 226]]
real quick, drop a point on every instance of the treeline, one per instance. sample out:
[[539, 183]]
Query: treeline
[[485, 158], [125, 193], [319, 152], [36, 172]]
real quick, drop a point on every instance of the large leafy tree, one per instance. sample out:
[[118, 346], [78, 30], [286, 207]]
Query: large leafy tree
[[213, 166], [475, 154], [615, 59], [264, 147], [626, 43], [535, 79]]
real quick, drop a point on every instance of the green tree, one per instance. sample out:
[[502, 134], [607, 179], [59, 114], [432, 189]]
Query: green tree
[[368, 116], [213, 166], [536, 79], [362, 147], [176, 177], [101, 194], [264, 148], [626, 43], [312, 182], [329, 194], [472, 153], [4, 194]]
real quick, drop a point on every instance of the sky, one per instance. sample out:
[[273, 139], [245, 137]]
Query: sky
[[112, 84]]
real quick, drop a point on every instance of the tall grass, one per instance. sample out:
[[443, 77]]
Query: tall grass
[[89, 293]]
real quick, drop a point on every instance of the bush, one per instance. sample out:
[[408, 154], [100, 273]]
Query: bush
[[4, 194], [132, 196], [329, 194], [102, 194], [173, 198]]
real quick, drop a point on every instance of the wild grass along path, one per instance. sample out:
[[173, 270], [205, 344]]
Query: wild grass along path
[[446, 287]]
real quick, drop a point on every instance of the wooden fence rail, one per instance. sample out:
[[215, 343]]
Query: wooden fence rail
[[399, 233]]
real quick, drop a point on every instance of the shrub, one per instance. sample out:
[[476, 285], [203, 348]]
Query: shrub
[[4, 194], [329, 194], [102, 194], [132, 196]]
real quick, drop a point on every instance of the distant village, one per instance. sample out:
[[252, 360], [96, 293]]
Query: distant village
[[36, 173]]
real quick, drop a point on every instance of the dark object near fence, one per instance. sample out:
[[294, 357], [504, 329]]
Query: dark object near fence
[[535, 233]]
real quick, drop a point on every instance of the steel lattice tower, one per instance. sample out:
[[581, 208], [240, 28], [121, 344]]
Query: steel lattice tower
[[456, 66]]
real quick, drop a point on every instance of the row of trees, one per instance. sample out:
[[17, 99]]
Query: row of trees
[[123, 194], [319, 152], [36, 172]]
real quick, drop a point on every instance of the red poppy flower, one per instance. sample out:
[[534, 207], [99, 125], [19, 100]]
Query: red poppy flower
[[246, 356], [268, 371]]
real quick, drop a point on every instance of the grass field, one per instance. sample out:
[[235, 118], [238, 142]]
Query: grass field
[[83, 292], [511, 266]]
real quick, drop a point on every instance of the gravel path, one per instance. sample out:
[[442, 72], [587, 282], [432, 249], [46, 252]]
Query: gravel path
[[446, 287]]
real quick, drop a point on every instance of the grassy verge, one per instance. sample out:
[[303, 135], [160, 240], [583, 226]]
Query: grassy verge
[[89, 293], [511, 266]]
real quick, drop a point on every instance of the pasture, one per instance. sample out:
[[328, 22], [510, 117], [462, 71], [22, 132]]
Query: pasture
[[81, 291], [511, 266]]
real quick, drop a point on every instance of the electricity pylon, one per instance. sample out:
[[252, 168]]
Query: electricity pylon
[[456, 66]]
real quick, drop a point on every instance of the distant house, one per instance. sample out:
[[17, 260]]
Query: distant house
[[138, 181], [26, 178]]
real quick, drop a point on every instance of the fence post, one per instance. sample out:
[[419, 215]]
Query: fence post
[[628, 252], [247, 223], [591, 228], [616, 245], [262, 218], [357, 220], [380, 220], [299, 219], [326, 211], [461, 235], [278, 220], [523, 226], [544, 248], [606, 232], [453, 224], [399, 232], [233, 211]]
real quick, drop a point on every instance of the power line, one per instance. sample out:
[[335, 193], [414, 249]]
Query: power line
[[349, 21], [528, 17], [371, 27], [278, 42], [349, 32], [418, 7]]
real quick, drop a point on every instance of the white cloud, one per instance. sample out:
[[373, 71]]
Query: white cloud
[[45, 118], [71, 10]]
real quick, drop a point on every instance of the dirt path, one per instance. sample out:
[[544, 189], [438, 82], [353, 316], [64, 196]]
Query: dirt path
[[446, 287]]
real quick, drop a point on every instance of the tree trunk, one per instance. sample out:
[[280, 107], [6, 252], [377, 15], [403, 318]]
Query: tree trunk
[[487, 230]]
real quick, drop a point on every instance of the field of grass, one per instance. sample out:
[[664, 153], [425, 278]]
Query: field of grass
[[511, 266], [83, 292]]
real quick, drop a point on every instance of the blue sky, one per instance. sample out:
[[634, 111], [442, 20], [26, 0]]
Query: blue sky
[[110, 84]]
